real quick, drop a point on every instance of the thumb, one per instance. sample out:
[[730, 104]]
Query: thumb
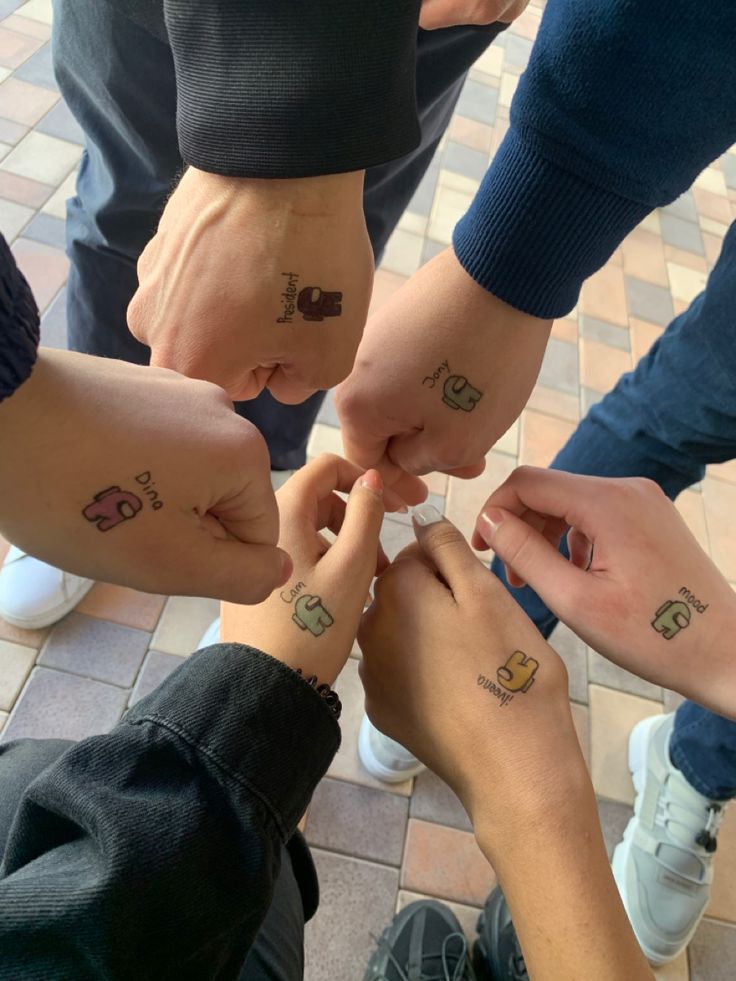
[[419, 452], [353, 557], [239, 573], [531, 556], [447, 549]]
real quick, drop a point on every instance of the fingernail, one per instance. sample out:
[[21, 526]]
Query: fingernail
[[426, 514], [373, 481], [491, 518]]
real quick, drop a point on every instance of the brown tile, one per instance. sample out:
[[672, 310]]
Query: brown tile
[[25, 25], [601, 671], [722, 904], [432, 800], [467, 915], [719, 499], [123, 605], [713, 952], [22, 190], [15, 48], [565, 329], [677, 970], [447, 863], [541, 438], [581, 720], [15, 666], [44, 267], [465, 498], [613, 715], [690, 505], [24, 103], [604, 296], [683, 258], [712, 244], [601, 365], [574, 653], [643, 255], [613, 817], [643, 335], [714, 206], [26, 638], [723, 471], [471, 133], [553, 403]]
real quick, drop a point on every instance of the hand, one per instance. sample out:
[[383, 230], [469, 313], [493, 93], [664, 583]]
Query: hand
[[257, 284], [138, 476], [442, 372], [311, 623], [454, 671], [639, 589], [449, 13]]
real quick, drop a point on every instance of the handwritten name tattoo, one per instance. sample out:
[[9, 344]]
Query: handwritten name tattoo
[[312, 302], [513, 677], [112, 506], [674, 615], [457, 392], [309, 611]]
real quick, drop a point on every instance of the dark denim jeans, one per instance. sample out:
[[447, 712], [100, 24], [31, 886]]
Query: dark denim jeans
[[119, 83], [667, 419]]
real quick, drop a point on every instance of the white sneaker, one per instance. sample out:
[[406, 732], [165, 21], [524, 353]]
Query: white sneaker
[[384, 758], [211, 635], [35, 594], [664, 865]]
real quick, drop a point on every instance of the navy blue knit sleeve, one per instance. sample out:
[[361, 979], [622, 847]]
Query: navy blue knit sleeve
[[622, 104], [19, 325]]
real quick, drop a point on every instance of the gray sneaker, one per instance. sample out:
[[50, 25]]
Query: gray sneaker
[[664, 865]]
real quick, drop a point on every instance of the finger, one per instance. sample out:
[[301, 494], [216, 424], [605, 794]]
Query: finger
[[580, 549], [328, 473], [353, 558], [249, 512], [420, 452], [469, 472], [447, 549], [534, 559], [571, 497], [239, 573]]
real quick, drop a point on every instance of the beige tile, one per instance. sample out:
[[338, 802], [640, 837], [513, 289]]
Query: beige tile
[[719, 498], [15, 666], [677, 970], [467, 915], [44, 267], [643, 335], [683, 258], [690, 505], [541, 438], [613, 714], [182, 623], [601, 366], [13, 218], [491, 61], [412, 222], [26, 638], [24, 103], [554, 403], [42, 158], [346, 764], [448, 208], [722, 904], [565, 329], [643, 257], [122, 605], [713, 227], [507, 89], [499, 132], [56, 204], [3, 720], [39, 10], [15, 47], [445, 862], [403, 252], [24, 25], [712, 244], [465, 498], [603, 296], [527, 24], [685, 283], [324, 439], [714, 206], [723, 471], [471, 133], [509, 442], [712, 180], [651, 223], [581, 720], [457, 182]]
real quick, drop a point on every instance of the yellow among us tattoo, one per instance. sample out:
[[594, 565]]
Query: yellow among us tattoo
[[516, 675]]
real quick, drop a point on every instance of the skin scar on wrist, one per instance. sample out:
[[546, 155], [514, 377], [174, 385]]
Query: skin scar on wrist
[[113, 505], [457, 392], [312, 302], [675, 615], [516, 676], [309, 611]]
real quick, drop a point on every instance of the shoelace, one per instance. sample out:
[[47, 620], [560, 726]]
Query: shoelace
[[684, 823], [517, 967], [708, 837], [449, 972]]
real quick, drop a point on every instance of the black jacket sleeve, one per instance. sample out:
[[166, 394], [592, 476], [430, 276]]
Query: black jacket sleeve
[[289, 88], [151, 852], [19, 325]]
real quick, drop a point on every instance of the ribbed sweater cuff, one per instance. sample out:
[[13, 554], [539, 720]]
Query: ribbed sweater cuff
[[536, 232], [19, 325]]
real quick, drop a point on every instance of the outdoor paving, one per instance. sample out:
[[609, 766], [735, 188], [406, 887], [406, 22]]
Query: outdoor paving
[[378, 847]]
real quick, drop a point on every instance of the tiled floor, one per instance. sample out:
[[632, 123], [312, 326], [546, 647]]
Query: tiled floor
[[376, 847]]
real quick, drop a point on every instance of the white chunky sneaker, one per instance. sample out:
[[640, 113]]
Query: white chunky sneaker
[[664, 865], [211, 635], [35, 594], [384, 758]]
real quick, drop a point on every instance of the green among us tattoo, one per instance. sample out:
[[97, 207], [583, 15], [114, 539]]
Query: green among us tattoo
[[310, 614], [674, 615], [516, 675], [460, 394]]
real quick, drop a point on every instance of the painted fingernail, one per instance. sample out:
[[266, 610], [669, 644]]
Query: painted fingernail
[[373, 481], [491, 518], [426, 514]]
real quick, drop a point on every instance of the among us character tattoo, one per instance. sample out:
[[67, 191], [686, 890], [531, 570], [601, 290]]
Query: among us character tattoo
[[310, 614], [517, 674], [460, 394], [312, 302], [111, 507], [674, 615]]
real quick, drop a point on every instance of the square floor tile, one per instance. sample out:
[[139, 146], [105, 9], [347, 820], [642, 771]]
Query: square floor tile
[[449, 207], [574, 653], [57, 705], [465, 498], [421, 202], [465, 160], [682, 234], [432, 800], [722, 904], [357, 900], [15, 666], [560, 366], [613, 716], [13, 218], [542, 437], [56, 204], [53, 323], [37, 10], [24, 103], [23, 191], [685, 283], [470, 133], [182, 624], [122, 605], [403, 253], [713, 952], [324, 439], [45, 268], [682, 207], [691, 507], [26, 638], [677, 970], [643, 335], [643, 255], [518, 50], [358, 821], [156, 668], [431, 249], [601, 671], [609, 334], [47, 229], [25, 25], [614, 816], [42, 158], [3, 720], [96, 649], [60, 122], [715, 206], [553, 403], [478, 102], [39, 70], [649, 302], [581, 721], [10, 132], [601, 366], [446, 863], [603, 296], [15, 48], [588, 398], [719, 499]]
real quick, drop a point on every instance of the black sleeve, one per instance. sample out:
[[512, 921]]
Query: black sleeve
[[294, 88], [19, 325], [151, 852]]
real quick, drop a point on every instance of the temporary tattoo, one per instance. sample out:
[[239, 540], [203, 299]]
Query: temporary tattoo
[[111, 507], [144, 479], [517, 674], [293, 592], [695, 603], [310, 614], [672, 617], [431, 380], [312, 302], [460, 394], [504, 697]]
